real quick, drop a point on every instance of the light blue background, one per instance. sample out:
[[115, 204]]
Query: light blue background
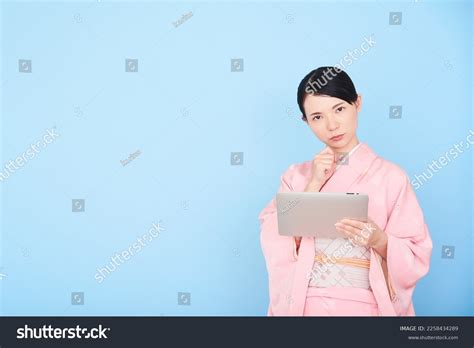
[[186, 112]]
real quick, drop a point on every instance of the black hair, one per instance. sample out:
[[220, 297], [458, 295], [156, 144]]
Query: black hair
[[329, 81]]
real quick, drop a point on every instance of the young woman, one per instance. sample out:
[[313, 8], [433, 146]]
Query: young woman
[[372, 272]]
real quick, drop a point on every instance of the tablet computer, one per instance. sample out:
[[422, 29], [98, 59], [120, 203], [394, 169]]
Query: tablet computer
[[315, 213]]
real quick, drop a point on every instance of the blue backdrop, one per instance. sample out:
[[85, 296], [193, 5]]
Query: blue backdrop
[[184, 115]]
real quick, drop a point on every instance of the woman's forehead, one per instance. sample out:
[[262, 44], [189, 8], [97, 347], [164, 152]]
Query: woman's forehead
[[320, 103]]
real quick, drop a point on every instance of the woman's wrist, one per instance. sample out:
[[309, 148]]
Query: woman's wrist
[[313, 186], [381, 246]]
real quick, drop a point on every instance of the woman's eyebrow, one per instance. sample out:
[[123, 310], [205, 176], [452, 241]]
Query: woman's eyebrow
[[335, 106]]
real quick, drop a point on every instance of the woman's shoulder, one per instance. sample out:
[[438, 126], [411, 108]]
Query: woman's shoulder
[[296, 175], [394, 174], [298, 168]]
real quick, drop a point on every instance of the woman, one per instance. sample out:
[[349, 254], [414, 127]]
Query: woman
[[375, 269]]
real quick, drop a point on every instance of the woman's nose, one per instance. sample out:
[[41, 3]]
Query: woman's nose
[[332, 124]]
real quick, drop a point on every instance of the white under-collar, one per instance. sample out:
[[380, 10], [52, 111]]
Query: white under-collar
[[349, 154]]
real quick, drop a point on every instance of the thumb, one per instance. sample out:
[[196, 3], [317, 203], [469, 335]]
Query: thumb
[[333, 153]]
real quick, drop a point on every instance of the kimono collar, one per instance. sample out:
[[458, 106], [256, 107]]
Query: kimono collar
[[349, 154], [347, 174], [361, 158]]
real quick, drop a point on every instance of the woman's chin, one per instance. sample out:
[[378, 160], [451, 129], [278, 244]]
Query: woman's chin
[[337, 145]]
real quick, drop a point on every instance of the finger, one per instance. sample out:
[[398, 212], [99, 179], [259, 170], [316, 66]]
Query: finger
[[328, 163], [348, 228], [348, 234], [327, 151], [355, 223], [325, 156]]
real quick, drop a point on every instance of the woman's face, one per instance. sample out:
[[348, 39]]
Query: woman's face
[[329, 116]]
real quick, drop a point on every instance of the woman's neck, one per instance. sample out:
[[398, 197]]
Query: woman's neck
[[347, 148]]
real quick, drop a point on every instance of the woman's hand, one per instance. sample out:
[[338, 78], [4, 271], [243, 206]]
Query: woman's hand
[[324, 164], [365, 233]]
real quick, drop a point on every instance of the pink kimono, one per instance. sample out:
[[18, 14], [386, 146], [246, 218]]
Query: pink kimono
[[392, 206]]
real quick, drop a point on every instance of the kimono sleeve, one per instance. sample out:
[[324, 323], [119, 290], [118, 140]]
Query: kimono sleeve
[[277, 250], [274, 245], [409, 245]]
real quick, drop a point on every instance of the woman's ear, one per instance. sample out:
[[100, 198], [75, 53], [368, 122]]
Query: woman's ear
[[359, 102]]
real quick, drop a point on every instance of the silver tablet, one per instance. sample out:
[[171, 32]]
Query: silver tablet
[[315, 213]]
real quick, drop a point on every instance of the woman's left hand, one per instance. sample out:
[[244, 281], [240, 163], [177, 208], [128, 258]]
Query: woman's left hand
[[364, 233]]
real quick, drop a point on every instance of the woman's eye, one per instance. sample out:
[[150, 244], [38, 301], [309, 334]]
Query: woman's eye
[[339, 109], [317, 117]]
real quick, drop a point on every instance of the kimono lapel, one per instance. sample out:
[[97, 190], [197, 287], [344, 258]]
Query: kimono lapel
[[342, 180], [348, 174], [379, 285]]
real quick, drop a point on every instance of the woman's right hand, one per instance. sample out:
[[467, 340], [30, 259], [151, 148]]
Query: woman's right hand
[[324, 164]]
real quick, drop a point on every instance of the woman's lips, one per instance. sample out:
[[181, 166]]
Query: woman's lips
[[337, 138]]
